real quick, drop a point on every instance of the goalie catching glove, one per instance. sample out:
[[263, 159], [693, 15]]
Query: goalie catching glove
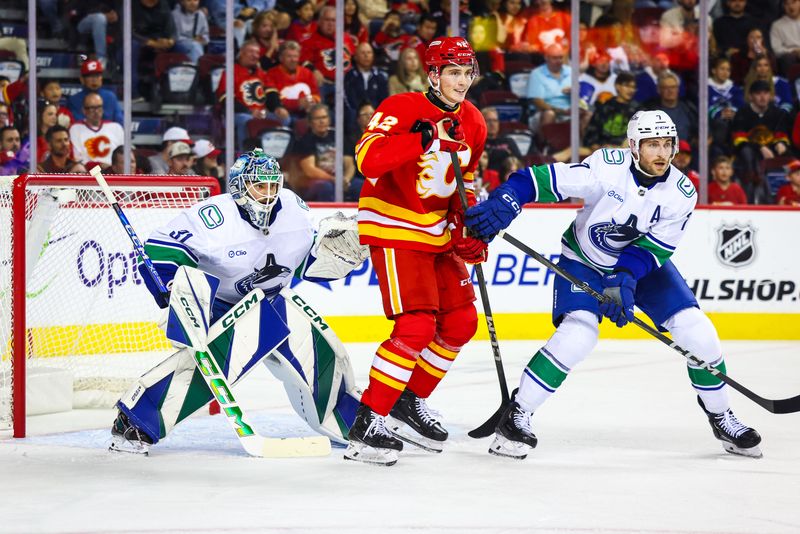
[[337, 250], [468, 248]]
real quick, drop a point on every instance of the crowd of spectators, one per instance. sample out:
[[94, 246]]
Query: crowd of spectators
[[634, 54]]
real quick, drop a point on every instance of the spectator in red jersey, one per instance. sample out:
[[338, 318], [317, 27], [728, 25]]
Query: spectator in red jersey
[[255, 98], [50, 91], [390, 39], [295, 83], [303, 26], [513, 21], [545, 27], [683, 162], [266, 36], [723, 191], [789, 194], [59, 150], [319, 51]]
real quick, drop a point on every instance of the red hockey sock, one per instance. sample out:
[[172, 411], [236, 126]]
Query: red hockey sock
[[433, 363]]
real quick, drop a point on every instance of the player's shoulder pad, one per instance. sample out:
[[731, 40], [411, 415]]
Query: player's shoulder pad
[[290, 200]]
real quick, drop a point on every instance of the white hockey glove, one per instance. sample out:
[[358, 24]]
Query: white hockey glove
[[337, 249]]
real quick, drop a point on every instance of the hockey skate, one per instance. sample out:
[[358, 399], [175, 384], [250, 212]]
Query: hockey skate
[[513, 435], [736, 437], [413, 422], [127, 438], [370, 441]]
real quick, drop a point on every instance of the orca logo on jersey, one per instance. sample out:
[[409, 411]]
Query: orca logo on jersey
[[270, 270], [736, 245], [613, 237]]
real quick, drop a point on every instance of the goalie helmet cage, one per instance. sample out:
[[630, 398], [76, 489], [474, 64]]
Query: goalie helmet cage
[[76, 322]]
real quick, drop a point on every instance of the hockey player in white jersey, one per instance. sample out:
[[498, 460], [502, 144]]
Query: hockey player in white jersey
[[259, 235], [636, 209]]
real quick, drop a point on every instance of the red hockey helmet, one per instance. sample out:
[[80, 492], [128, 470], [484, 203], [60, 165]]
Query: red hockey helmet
[[445, 51]]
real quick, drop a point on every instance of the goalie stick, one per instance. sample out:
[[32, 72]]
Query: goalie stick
[[487, 428], [252, 442], [790, 405]]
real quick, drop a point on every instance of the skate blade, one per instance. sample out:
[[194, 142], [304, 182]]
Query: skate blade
[[360, 452], [506, 448], [405, 433], [752, 452], [120, 444]]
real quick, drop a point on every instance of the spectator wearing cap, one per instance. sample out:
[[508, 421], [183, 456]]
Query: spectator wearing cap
[[207, 162], [118, 161], [549, 87], [94, 139], [180, 159], [192, 29], [723, 191], [92, 81], [789, 194], [760, 131], [59, 150], [683, 162], [159, 163]]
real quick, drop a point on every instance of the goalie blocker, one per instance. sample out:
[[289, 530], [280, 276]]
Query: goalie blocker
[[296, 345]]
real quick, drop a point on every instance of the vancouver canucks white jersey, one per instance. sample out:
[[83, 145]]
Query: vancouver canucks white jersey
[[617, 210], [214, 237]]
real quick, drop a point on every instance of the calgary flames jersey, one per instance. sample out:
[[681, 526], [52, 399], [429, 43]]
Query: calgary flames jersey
[[407, 194]]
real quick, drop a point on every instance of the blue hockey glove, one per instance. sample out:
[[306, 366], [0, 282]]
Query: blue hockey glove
[[487, 218], [619, 288]]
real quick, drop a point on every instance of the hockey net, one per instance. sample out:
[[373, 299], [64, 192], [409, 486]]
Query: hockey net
[[73, 307]]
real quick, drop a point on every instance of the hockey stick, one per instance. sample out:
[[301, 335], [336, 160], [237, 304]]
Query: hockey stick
[[252, 442], [790, 405], [487, 428]]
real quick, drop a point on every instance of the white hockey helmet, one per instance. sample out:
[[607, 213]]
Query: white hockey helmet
[[256, 167], [649, 125]]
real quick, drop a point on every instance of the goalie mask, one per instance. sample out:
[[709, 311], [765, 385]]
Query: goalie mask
[[255, 181], [446, 51], [650, 125]]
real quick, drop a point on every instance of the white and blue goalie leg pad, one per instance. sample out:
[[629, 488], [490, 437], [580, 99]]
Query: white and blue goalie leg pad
[[315, 369], [173, 389], [191, 297]]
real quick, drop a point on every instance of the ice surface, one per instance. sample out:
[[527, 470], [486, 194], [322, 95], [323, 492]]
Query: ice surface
[[623, 448]]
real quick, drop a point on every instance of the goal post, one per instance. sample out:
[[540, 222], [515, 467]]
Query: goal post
[[77, 325]]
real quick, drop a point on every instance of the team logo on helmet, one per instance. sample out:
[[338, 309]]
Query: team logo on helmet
[[736, 245]]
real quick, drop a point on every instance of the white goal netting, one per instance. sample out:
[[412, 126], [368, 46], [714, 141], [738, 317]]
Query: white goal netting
[[88, 317]]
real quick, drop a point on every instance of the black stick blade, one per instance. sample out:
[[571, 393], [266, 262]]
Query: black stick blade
[[487, 428]]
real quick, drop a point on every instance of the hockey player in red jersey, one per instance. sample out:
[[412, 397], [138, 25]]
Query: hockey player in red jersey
[[410, 215]]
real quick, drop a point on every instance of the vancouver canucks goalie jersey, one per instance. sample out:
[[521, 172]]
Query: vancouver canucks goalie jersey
[[217, 238]]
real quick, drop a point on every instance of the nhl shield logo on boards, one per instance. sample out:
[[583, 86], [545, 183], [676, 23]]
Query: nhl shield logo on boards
[[736, 245]]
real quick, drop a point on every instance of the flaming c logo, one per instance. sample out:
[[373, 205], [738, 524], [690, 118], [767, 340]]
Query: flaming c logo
[[97, 147]]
